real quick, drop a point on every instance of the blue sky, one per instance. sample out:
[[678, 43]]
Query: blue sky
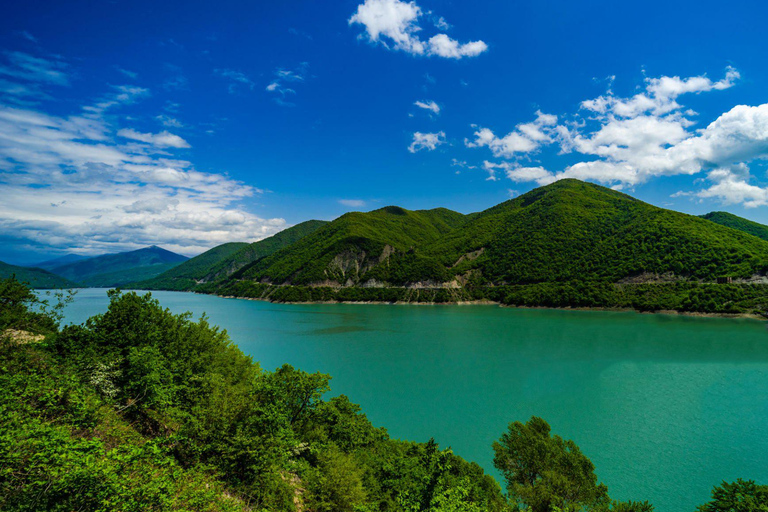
[[189, 124]]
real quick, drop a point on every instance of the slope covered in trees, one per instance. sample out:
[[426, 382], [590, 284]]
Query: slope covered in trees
[[140, 409], [36, 277], [347, 249], [223, 260], [571, 230], [565, 231], [734, 221]]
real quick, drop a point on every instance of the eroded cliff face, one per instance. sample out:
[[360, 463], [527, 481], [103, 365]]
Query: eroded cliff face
[[349, 267]]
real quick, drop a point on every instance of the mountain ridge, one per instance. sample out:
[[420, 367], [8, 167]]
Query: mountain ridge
[[122, 268]]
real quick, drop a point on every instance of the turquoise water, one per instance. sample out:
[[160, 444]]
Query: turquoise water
[[665, 406]]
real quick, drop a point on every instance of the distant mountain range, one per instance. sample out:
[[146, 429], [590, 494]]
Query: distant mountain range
[[121, 268], [109, 270], [58, 262], [569, 243]]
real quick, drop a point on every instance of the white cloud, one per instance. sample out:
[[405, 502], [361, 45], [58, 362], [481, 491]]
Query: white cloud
[[517, 173], [525, 138], [163, 139], [352, 203], [428, 141], [70, 182], [731, 185], [394, 24], [428, 105], [629, 141], [443, 46]]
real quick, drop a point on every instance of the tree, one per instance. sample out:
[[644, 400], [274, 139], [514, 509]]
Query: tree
[[545, 473], [739, 496]]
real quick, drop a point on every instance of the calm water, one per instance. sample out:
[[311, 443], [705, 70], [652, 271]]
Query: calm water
[[666, 407]]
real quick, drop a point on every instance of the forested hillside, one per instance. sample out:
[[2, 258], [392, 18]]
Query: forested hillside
[[566, 231], [220, 262], [36, 277], [347, 249], [733, 221]]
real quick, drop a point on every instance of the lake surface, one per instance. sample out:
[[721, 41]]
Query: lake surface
[[665, 406]]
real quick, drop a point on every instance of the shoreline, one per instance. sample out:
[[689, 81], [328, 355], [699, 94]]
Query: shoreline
[[486, 302]]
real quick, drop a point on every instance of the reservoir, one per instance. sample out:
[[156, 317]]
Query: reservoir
[[665, 406]]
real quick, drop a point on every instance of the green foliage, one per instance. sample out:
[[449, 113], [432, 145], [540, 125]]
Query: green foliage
[[62, 448], [35, 277], [732, 221], [346, 248], [546, 473], [684, 296], [572, 230], [739, 496], [23, 310]]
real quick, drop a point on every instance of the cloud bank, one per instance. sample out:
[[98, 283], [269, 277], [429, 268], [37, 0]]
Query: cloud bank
[[89, 182], [626, 141]]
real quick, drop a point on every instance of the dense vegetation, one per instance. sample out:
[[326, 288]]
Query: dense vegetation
[[565, 231], [223, 260], [120, 269], [36, 277], [344, 250], [687, 297], [732, 221], [140, 409]]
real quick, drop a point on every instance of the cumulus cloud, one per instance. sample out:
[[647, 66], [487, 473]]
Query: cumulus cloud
[[428, 141], [395, 24], [428, 105], [629, 141], [443, 46], [525, 138], [71, 182]]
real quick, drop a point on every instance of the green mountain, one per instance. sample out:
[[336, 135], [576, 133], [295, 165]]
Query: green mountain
[[188, 274], [566, 231], [347, 250], [121, 268], [732, 221], [223, 260], [36, 277]]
